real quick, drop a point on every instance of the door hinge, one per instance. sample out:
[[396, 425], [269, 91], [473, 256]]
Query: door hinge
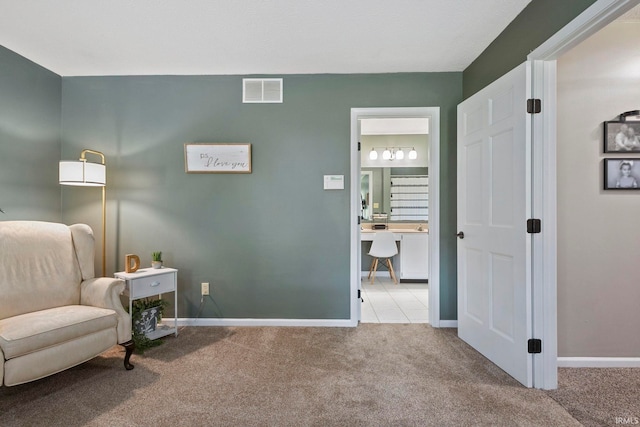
[[534, 226], [358, 145], [360, 295], [534, 106], [359, 219], [534, 346]]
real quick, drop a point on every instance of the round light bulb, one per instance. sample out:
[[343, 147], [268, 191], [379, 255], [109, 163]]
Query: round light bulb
[[386, 154], [413, 154], [399, 154], [373, 154]]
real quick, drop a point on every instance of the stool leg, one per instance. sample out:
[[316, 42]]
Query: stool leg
[[375, 268], [393, 274]]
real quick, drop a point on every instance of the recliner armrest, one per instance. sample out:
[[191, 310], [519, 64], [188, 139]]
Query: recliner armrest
[[104, 292]]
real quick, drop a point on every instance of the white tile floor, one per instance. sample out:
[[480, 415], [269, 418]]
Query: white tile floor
[[386, 302]]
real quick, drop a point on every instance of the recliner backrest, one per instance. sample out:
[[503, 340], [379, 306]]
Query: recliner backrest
[[38, 267]]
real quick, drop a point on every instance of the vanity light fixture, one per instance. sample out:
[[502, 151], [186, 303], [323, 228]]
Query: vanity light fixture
[[393, 153]]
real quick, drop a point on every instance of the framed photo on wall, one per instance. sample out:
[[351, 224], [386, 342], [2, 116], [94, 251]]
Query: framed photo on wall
[[217, 158], [622, 136], [622, 174]]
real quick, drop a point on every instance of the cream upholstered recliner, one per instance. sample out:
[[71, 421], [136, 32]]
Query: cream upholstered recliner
[[54, 314]]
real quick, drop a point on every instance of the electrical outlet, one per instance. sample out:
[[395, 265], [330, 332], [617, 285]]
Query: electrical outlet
[[204, 287]]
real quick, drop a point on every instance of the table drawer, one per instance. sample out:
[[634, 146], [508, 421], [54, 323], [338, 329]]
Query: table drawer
[[154, 285]]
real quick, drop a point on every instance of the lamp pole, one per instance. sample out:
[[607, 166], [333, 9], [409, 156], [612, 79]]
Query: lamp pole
[[83, 158]]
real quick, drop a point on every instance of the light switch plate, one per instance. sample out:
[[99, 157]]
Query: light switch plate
[[334, 182]]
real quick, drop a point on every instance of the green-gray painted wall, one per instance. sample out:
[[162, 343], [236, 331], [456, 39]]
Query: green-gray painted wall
[[533, 26], [273, 243], [30, 103]]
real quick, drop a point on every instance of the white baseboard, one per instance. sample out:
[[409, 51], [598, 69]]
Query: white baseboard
[[331, 323], [448, 324], [598, 362], [336, 323]]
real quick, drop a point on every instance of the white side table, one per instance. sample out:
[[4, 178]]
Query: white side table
[[147, 282]]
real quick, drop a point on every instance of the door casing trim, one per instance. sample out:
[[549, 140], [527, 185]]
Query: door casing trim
[[593, 19], [433, 113]]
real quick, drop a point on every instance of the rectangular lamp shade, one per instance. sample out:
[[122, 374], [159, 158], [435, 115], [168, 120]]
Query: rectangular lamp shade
[[82, 173]]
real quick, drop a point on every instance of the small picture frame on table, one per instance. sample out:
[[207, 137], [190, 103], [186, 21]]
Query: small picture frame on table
[[622, 174], [622, 136]]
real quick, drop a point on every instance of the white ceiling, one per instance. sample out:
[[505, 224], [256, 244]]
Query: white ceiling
[[398, 126], [186, 37]]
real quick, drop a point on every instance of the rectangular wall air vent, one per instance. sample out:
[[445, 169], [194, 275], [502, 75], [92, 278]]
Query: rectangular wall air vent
[[261, 90]]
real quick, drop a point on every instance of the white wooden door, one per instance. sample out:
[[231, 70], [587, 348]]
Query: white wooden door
[[494, 297]]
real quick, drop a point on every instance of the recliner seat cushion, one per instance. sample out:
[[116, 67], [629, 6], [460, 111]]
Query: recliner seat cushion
[[26, 333]]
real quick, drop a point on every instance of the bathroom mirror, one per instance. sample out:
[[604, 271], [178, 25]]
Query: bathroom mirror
[[366, 194], [399, 148], [377, 181]]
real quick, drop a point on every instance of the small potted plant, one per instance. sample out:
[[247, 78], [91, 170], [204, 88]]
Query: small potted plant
[[156, 259]]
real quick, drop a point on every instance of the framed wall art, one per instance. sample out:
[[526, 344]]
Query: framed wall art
[[622, 136], [217, 158], [622, 174]]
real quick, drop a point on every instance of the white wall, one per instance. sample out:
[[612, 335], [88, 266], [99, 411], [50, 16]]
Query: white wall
[[598, 230]]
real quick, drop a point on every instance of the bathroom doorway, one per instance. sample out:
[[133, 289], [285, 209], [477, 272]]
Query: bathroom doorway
[[394, 133]]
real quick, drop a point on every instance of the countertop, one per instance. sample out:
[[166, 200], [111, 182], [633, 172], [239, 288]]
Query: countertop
[[396, 230]]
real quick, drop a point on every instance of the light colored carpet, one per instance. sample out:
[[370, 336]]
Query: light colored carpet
[[600, 397], [373, 375]]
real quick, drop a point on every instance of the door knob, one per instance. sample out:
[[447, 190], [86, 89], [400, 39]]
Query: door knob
[[460, 235]]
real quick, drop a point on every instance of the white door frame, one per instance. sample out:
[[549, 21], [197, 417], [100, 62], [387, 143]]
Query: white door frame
[[433, 113], [594, 18]]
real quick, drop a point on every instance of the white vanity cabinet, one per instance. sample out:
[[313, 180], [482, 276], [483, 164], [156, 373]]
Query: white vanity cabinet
[[414, 256], [412, 261]]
